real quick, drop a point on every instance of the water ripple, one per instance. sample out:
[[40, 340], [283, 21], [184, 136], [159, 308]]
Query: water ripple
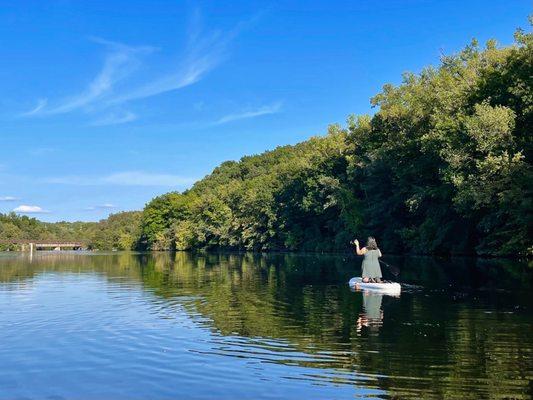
[[147, 327]]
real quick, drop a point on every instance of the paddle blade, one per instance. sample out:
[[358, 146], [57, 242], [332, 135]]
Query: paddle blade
[[394, 270]]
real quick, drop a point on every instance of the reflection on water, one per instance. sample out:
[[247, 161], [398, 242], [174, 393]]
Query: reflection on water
[[372, 314], [250, 326]]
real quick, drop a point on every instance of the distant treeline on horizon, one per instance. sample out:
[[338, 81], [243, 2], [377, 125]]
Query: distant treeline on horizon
[[443, 167]]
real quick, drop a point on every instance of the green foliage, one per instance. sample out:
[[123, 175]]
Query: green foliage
[[294, 197], [120, 231], [443, 167], [19, 228], [159, 216]]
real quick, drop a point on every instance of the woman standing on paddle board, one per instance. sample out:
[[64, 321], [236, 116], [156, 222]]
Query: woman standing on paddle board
[[371, 271]]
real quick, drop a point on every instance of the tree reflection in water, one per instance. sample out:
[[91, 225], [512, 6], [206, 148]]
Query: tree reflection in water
[[446, 340]]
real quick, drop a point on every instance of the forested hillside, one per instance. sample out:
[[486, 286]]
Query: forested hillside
[[442, 167], [120, 231]]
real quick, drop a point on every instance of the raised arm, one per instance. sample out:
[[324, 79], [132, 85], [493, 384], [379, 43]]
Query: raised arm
[[360, 252]]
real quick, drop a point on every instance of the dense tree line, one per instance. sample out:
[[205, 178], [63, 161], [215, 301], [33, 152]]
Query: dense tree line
[[443, 167], [120, 231]]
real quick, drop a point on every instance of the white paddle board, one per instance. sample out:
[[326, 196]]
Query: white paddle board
[[384, 287]]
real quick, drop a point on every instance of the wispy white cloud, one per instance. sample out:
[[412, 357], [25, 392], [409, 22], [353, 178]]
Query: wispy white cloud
[[116, 119], [41, 104], [137, 178], [119, 63], [8, 198], [265, 110], [128, 178], [25, 209], [39, 151], [106, 206], [203, 52]]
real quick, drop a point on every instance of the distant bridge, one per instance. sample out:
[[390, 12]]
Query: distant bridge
[[31, 245]]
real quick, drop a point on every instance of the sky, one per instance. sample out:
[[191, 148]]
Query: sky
[[107, 104]]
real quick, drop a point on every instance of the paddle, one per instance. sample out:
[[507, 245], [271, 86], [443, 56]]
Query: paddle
[[394, 270]]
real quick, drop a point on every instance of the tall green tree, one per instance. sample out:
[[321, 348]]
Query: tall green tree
[[443, 167]]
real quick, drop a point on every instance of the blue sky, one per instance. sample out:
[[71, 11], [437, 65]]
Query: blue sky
[[106, 104]]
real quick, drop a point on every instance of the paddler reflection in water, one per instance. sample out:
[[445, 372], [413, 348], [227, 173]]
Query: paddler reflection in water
[[372, 315], [371, 271]]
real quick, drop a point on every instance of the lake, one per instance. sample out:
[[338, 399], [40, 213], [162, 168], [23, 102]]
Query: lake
[[248, 326]]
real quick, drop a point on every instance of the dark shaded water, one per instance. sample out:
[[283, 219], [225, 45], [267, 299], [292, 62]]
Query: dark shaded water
[[158, 326]]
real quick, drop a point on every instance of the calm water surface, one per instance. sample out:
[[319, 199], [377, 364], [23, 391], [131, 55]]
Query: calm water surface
[[167, 326]]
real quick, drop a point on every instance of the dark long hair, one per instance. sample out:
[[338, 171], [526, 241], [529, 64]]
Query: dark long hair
[[371, 243]]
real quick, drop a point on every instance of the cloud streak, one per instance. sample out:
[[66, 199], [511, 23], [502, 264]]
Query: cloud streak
[[127, 178], [8, 198], [202, 55], [265, 110], [25, 209], [116, 119], [41, 151], [120, 62], [112, 85], [41, 104], [106, 206]]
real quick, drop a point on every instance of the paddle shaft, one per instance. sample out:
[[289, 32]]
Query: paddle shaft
[[394, 270]]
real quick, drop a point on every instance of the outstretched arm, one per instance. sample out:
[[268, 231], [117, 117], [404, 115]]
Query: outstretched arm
[[359, 251]]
